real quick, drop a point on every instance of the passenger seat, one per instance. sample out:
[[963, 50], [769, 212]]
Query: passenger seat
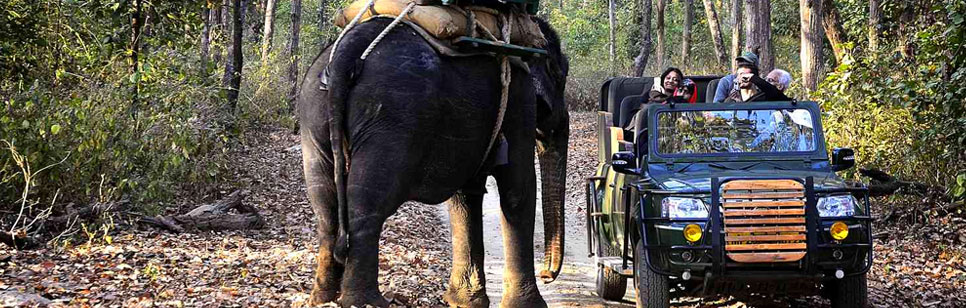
[[712, 87]]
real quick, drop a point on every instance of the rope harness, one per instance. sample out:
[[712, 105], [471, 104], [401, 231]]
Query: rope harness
[[505, 95]]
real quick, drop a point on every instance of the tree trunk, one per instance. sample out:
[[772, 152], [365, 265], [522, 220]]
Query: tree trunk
[[735, 32], [686, 40], [640, 62], [218, 33], [269, 29], [137, 23], [905, 22], [233, 71], [875, 17], [205, 38], [661, 5], [250, 20], [322, 20], [758, 32], [833, 30], [226, 30], [611, 48], [293, 52], [712, 16], [226, 18], [811, 54]]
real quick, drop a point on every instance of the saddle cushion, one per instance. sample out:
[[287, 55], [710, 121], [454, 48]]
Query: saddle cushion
[[445, 22]]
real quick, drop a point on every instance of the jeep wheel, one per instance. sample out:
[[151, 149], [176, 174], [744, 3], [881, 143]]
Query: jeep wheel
[[848, 292], [610, 284], [651, 289]]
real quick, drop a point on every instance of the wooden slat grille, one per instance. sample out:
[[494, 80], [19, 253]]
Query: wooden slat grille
[[764, 220]]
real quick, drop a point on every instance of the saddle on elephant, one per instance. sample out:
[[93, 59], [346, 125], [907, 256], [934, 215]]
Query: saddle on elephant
[[442, 24]]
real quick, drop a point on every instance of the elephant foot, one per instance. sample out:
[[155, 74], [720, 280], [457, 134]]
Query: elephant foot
[[530, 297], [464, 298], [320, 296], [362, 298], [327, 283]]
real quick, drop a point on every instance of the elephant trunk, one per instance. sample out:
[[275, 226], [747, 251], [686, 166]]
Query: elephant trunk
[[553, 176]]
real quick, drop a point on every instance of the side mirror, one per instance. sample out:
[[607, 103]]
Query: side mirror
[[624, 162], [842, 159]]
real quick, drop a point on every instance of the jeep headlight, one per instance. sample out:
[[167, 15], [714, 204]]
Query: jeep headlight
[[837, 206], [677, 207]]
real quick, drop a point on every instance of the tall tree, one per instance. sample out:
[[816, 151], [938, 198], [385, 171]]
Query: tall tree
[[875, 17], [250, 20], [205, 37], [812, 42], [137, 23], [293, 53], [905, 30], [686, 40], [611, 46], [233, 71], [735, 32], [758, 32], [640, 62], [269, 29], [661, 41], [218, 31], [833, 29], [226, 17], [322, 6], [711, 15]]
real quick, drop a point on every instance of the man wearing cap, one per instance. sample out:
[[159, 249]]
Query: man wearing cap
[[749, 87], [727, 83]]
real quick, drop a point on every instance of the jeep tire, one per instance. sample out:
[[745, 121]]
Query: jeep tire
[[852, 291], [610, 284], [651, 289]]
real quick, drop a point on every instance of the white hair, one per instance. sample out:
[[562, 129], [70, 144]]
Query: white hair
[[784, 78]]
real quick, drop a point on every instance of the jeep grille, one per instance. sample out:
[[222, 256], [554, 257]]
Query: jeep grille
[[764, 220]]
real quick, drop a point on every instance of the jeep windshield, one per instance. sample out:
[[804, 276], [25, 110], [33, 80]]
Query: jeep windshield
[[751, 131]]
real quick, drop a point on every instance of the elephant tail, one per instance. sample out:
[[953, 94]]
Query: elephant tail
[[341, 73]]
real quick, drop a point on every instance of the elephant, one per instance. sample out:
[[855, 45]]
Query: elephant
[[409, 124]]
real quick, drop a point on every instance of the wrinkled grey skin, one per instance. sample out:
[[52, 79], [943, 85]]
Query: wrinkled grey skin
[[415, 127]]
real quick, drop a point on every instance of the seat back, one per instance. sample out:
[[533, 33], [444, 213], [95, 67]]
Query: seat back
[[711, 88], [604, 89], [622, 87], [629, 105]]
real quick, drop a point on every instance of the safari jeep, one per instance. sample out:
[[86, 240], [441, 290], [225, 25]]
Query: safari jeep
[[723, 199]]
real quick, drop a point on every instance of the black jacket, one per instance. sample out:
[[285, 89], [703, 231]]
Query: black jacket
[[766, 93]]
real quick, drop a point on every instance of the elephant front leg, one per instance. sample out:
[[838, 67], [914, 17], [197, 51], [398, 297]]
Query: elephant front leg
[[467, 281], [517, 185]]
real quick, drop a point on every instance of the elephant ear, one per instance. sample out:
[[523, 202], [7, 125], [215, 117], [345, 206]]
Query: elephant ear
[[544, 105]]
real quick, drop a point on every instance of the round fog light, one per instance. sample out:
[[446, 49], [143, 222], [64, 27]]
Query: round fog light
[[839, 230], [692, 233], [686, 256]]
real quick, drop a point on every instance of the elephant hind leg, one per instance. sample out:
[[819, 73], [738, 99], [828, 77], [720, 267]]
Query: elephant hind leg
[[467, 282], [317, 165]]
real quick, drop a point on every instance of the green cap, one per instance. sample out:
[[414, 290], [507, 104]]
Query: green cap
[[748, 57]]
